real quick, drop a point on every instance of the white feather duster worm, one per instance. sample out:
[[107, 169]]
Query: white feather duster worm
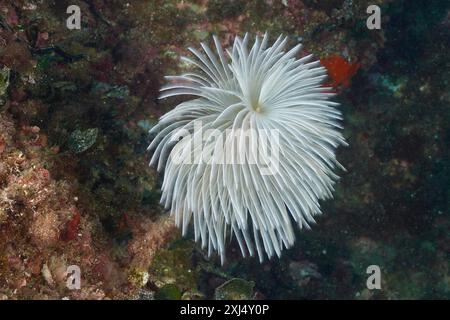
[[254, 151]]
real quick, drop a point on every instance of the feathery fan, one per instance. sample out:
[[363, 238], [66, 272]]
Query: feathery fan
[[254, 151]]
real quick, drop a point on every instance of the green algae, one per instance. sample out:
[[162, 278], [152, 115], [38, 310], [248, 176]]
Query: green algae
[[168, 292], [173, 267], [235, 289], [80, 141]]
